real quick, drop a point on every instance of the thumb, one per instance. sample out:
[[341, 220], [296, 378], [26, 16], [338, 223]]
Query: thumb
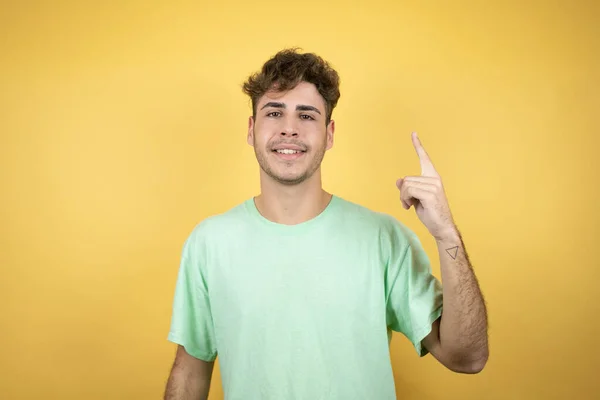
[[399, 183]]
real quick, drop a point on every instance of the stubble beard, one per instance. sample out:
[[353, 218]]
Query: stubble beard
[[262, 157]]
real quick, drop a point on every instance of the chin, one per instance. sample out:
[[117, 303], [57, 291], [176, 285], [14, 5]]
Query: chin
[[285, 173], [289, 179]]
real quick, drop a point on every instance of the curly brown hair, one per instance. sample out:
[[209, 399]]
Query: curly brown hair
[[288, 68]]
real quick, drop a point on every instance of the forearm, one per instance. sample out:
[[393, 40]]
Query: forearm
[[463, 327]]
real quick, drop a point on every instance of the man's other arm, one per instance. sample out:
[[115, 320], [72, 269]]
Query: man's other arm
[[459, 340], [189, 378]]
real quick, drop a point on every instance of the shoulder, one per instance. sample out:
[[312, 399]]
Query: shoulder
[[217, 227], [383, 222]]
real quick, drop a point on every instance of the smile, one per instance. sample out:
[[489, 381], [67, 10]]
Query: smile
[[288, 151], [288, 154]]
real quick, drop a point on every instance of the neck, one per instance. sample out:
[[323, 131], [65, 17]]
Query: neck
[[292, 204]]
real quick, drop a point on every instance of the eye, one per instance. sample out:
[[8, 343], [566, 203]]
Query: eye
[[308, 117], [273, 112]]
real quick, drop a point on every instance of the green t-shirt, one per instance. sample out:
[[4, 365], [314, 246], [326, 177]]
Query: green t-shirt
[[304, 311]]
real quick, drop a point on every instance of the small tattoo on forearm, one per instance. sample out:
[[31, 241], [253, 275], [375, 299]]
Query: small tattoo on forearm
[[452, 251]]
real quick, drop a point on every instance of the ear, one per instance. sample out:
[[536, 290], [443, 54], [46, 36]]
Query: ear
[[330, 132], [250, 137]]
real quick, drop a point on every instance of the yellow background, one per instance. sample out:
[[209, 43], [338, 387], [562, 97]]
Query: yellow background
[[124, 125]]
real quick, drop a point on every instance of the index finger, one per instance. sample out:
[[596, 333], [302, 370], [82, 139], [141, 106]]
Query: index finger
[[427, 168]]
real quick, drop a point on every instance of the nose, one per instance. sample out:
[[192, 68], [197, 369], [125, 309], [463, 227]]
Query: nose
[[289, 132], [289, 129]]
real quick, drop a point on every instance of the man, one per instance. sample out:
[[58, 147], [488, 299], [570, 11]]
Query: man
[[297, 290]]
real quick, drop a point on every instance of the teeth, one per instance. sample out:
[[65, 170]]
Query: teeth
[[288, 151]]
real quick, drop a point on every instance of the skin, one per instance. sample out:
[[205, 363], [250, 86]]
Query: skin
[[189, 377], [459, 339], [292, 193]]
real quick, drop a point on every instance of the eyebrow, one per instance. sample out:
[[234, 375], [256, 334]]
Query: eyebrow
[[300, 107]]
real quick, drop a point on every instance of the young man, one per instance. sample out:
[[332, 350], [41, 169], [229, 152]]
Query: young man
[[297, 290]]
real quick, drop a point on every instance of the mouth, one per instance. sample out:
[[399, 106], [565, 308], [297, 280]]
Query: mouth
[[288, 154]]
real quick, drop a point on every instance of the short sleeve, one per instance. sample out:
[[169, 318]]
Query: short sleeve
[[413, 294], [191, 320]]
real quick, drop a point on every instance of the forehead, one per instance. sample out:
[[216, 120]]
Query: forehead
[[304, 93]]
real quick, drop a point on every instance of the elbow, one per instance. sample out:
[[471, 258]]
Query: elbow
[[470, 365], [474, 367]]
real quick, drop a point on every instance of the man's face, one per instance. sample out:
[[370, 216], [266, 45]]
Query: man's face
[[289, 134]]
